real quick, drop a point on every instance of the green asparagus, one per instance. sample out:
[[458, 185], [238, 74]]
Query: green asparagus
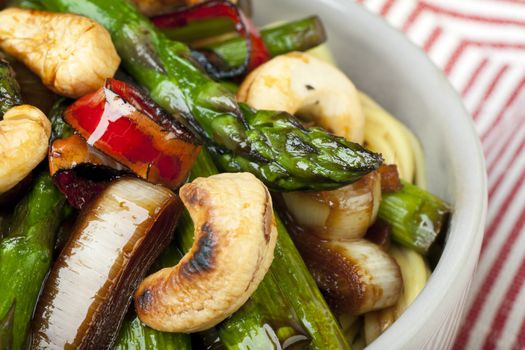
[[287, 306], [25, 257], [298, 35], [416, 216], [137, 336], [9, 88], [272, 145]]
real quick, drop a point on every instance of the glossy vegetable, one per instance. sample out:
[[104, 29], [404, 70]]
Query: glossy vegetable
[[115, 241], [25, 257], [300, 35], [256, 52], [9, 88], [79, 171], [287, 307], [136, 335], [355, 276], [345, 213], [416, 216], [117, 121], [272, 145]]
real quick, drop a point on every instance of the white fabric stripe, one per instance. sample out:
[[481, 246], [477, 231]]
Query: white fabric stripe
[[400, 11], [504, 278], [444, 48], [515, 316], [480, 31], [484, 79], [465, 67], [496, 102], [490, 255], [491, 9], [421, 29], [504, 132]]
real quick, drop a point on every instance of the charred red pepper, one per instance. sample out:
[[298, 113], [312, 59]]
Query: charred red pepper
[[124, 124], [257, 51]]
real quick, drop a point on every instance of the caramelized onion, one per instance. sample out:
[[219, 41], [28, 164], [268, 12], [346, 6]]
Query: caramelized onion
[[345, 213], [356, 276], [115, 240]]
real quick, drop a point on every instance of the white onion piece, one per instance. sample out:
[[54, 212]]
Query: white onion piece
[[116, 239], [345, 213], [355, 276]]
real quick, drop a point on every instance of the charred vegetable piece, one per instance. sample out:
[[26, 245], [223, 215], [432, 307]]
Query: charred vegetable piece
[[72, 151], [113, 121], [300, 35], [379, 233], [286, 309], [9, 88], [115, 241], [272, 145], [80, 171], [355, 276], [26, 253], [345, 213], [136, 335], [390, 181], [234, 242], [416, 216], [254, 45]]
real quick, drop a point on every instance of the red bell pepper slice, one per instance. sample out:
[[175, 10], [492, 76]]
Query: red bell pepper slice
[[119, 121], [257, 51]]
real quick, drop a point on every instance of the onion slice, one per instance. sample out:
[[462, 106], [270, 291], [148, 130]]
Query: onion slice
[[345, 213], [355, 276], [115, 240]]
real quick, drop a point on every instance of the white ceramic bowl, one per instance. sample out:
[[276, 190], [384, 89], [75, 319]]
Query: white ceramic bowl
[[384, 64]]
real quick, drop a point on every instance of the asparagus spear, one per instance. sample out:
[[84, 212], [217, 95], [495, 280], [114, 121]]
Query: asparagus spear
[[9, 88], [299, 35], [137, 336], [272, 145], [25, 257], [287, 306], [416, 216]]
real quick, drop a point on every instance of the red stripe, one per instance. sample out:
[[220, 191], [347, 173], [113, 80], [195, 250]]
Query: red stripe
[[475, 75], [500, 319], [510, 102], [505, 145], [492, 191], [386, 7], [456, 14], [483, 292], [455, 57], [520, 340], [431, 40], [490, 89], [413, 16]]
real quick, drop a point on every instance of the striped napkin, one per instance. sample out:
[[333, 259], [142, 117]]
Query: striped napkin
[[480, 45]]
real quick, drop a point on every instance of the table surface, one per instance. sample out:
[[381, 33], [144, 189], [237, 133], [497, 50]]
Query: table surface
[[480, 45]]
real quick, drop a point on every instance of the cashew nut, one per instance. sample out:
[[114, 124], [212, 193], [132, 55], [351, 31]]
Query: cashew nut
[[73, 55], [235, 236], [24, 136], [301, 84]]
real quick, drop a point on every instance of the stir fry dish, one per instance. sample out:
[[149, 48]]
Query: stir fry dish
[[174, 177]]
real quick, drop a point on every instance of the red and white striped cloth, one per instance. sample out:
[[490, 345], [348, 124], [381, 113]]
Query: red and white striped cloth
[[480, 45]]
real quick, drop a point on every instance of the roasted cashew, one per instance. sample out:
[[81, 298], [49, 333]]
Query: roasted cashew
[[301, 84], [24, 136], [235, 236], [73, 55]]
